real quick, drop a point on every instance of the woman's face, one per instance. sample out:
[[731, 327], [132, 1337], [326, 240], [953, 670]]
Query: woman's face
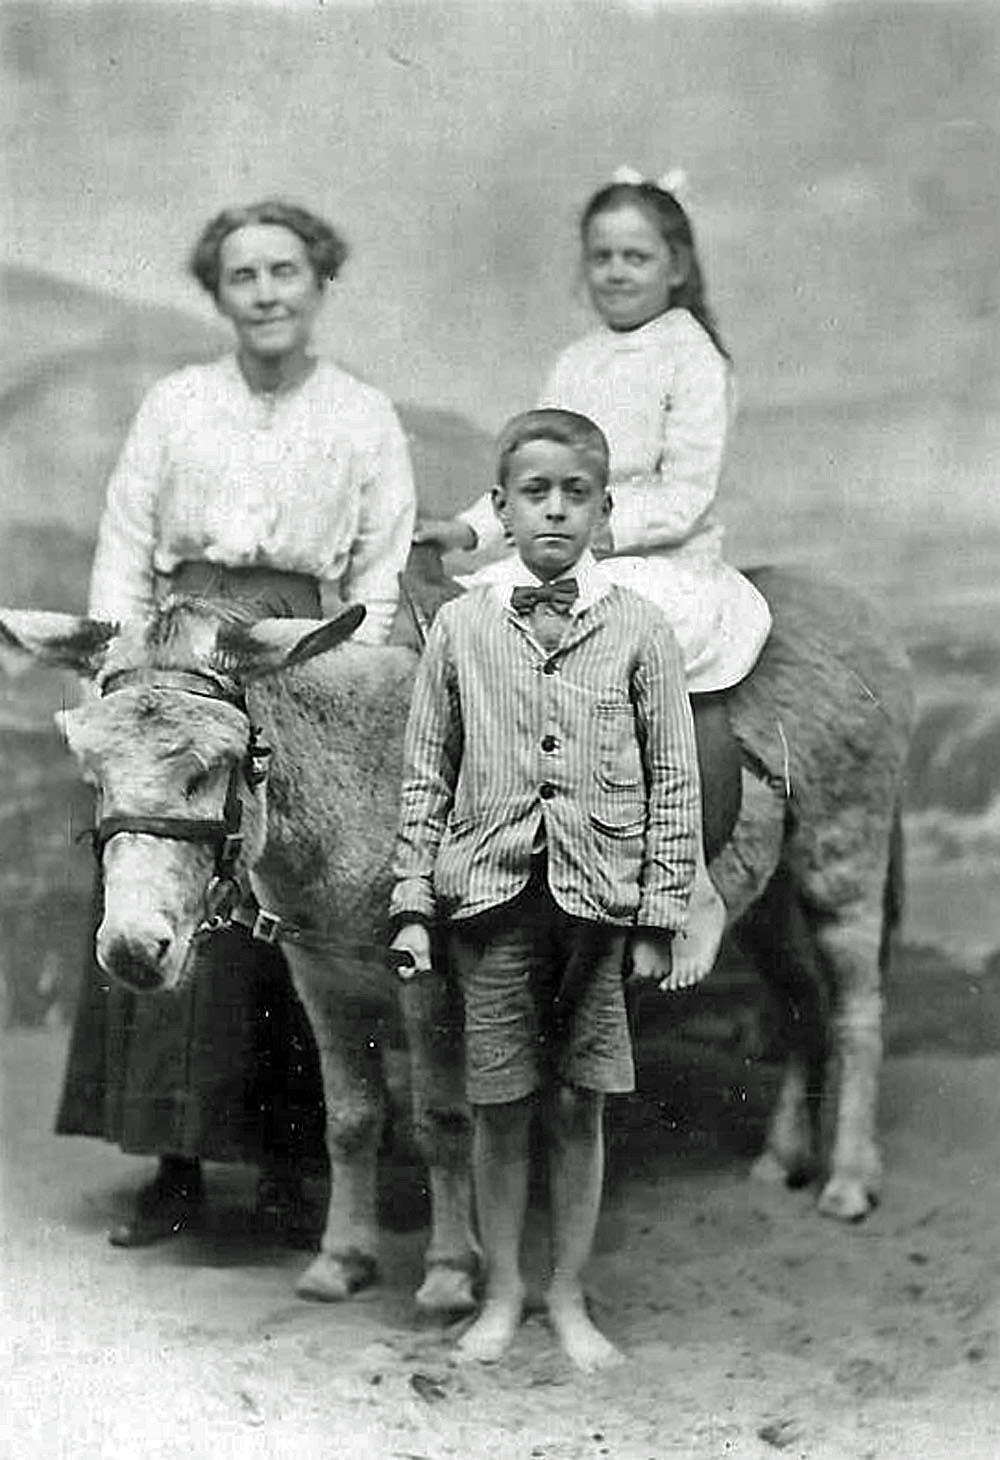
[[631, 270], [268, 290]]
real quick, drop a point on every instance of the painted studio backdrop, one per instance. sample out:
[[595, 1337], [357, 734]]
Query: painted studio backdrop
[[844, 176], [843, 164]]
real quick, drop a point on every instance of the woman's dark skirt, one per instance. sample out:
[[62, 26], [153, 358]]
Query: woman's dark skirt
[[226, 1070]]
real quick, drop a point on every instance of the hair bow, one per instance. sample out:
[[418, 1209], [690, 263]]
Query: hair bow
[[674, 180]]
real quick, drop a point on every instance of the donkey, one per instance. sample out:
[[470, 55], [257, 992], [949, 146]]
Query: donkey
[[193, 809], [811, 874]]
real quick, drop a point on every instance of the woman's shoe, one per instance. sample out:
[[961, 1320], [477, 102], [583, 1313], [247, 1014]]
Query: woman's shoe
[[164, 1207]]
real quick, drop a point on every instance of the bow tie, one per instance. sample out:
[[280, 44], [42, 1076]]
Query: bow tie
[[560, 596]]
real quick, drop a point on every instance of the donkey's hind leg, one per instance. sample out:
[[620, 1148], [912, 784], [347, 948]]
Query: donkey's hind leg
[[778, 935], [851, 945]]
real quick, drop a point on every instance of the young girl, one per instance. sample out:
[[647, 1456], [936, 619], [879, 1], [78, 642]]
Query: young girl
[[655, 376]]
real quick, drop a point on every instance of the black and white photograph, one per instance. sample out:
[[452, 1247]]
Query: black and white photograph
[[500, 729]]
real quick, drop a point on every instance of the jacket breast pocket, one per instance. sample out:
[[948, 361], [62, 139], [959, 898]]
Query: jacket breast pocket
[[619, 764]]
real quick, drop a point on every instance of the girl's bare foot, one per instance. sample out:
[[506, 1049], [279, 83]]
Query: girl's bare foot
[[696, 947], [493, 1331], [583, 1344]]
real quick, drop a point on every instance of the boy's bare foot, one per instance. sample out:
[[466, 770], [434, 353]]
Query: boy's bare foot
[[493, 1331], [696, 948], [583, 1344]]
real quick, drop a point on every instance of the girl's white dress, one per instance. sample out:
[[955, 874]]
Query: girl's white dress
[[661, 394], [315, 481]]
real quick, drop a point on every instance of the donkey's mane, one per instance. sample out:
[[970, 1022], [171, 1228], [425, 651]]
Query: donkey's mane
[[174, 616], [172, 638]]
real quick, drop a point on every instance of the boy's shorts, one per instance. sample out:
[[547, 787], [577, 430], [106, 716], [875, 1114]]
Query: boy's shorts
[[544, 1000]]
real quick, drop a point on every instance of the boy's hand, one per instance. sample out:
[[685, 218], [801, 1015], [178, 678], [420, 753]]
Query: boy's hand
[[652, 960], [415, 939], [446, 533]]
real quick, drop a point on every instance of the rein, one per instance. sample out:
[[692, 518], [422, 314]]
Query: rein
[[227, 903], [230, 904]]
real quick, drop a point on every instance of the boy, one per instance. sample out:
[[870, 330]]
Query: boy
[[550, 803]]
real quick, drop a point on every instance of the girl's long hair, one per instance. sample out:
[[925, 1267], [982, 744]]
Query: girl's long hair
[[674, 227]]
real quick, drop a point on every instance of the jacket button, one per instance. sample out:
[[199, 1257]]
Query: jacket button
[[546, 790], [549, 742], [549, 667]]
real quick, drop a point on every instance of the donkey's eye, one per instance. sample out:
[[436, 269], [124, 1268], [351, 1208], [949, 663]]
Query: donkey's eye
[[197, 780]]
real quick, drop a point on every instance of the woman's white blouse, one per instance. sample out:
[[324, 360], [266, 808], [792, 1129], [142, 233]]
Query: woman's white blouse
[[315, 481], [661, 395]]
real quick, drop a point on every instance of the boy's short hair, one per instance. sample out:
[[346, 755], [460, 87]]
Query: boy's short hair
[[568, 428]]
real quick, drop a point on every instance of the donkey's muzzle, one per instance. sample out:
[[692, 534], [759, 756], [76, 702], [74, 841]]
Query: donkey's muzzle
[[138, 965]]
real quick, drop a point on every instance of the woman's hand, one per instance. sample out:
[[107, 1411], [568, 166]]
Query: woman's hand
[[450, 534]]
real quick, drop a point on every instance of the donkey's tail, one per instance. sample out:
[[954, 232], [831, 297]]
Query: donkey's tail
[[893, 897]]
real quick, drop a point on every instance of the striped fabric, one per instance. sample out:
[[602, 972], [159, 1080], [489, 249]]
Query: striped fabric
[[592, 740]]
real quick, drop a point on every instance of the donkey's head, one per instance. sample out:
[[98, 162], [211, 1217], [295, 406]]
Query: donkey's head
[[180, 777]]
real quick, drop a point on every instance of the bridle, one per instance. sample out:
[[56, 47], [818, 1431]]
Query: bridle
[[222, 832], [228, 900]]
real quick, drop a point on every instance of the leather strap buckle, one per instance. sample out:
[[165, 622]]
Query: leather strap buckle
[[265, 927]]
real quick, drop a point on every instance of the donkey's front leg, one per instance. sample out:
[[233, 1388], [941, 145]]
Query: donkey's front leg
[[354, 1091], [442, 1130]]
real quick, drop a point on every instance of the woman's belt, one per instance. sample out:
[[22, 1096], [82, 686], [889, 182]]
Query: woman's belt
[[273, 592]]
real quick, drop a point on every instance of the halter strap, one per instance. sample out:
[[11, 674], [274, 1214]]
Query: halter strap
[[223, 833], [206, 685]]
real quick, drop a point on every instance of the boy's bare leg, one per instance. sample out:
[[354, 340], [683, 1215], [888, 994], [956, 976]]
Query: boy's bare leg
[[500, 1158], [696, 948], [576, 1176]]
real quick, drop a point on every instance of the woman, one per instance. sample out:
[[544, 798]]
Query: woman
[[271, 478]]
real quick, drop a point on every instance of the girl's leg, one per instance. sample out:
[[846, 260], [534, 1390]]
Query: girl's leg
[[576, 1175], [500, 1156], [696, 947]]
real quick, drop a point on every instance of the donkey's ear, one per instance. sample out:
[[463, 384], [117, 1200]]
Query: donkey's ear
[[63, 640], [274, 644]]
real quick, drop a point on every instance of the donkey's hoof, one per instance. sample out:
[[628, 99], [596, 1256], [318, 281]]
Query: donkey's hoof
[[847, 1198], [793, 1169], [768, 1170], [333, 1276], [447, 1290]]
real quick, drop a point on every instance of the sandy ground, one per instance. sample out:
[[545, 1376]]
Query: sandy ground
[[754, 1327]]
